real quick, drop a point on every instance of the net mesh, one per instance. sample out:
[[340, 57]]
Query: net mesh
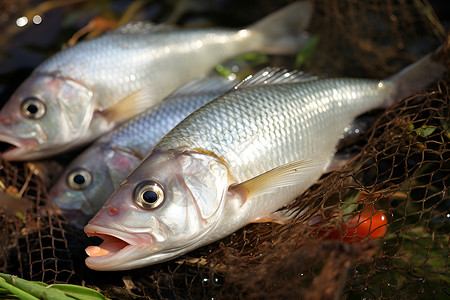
[[402, 168]]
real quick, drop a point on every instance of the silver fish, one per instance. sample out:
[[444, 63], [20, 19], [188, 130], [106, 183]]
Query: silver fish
[[236, 160], [93, 176], [82, 92]]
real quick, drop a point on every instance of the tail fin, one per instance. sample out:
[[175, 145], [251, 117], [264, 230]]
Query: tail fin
[[420, 74], [285, 29]]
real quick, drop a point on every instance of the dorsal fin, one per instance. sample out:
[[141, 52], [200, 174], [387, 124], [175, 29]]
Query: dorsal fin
[[204, 85], [271, 75], [141, 27]]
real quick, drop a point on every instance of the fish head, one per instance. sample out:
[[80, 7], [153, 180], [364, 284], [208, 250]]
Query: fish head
[[89, 180], [162, 210], [45, 113]]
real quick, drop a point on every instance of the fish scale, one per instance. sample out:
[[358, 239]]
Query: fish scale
[[267, 126]]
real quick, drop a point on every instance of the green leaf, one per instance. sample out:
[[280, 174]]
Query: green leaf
[[424, 130], [254, 57], [244, 61], [307, 51], [446, 125], [349, 205], [78, 292], [37, 289], [16, 291], [223, 71]]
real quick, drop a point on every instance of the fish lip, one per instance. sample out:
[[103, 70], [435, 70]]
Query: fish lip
[[18, 146], [111, 261], [97, 230]]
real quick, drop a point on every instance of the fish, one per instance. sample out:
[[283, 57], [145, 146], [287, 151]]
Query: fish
[[238, 159], [92, 177], [82, 92]]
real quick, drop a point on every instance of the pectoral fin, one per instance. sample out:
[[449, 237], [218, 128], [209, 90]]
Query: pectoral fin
[[291, 174], [130, 106], [279, 217]]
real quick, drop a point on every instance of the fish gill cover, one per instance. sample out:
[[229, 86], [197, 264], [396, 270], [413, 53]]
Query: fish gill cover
[[401, 171]]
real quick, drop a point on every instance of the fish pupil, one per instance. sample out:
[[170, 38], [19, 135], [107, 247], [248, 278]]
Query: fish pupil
[[79, 179], [32, 108], [150, 196]]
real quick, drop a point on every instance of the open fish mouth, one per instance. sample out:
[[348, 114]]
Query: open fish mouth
[[12, 148], [117, 246]]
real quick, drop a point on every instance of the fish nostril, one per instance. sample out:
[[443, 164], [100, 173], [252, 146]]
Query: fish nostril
[[6, 121], [113, 211]]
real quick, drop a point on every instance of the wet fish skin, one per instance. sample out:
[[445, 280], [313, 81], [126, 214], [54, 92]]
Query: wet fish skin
[[85, 90], [235, 161], [104, 165], [240, 135]]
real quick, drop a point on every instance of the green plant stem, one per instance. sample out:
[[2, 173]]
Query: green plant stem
[[16, 291]]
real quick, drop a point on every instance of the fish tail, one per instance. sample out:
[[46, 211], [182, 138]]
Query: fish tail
[[420, 74], [284, 30]]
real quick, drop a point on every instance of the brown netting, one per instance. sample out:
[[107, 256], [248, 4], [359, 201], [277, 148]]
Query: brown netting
[[34, 241], [402, 167]]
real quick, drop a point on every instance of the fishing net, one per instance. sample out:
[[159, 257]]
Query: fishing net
[[401, 169]]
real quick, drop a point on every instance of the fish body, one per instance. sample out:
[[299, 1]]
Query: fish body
[[90, 178], [81, 92], [234, 161]]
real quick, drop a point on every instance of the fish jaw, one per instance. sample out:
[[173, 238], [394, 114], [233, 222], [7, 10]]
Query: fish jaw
[[25, 149], [125, 251], [119, 251], [14, 148]]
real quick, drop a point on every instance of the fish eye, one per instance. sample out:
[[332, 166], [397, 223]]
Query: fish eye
[[148, 195], [79, 179], [33, 108]]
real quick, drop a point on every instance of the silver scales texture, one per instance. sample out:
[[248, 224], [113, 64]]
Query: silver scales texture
[[138, 55], [141, 133], [256, 129]]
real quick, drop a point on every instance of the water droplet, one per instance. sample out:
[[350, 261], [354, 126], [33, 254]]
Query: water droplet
[[232, 76], [37, 19], [243, 33], [22, 21]]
